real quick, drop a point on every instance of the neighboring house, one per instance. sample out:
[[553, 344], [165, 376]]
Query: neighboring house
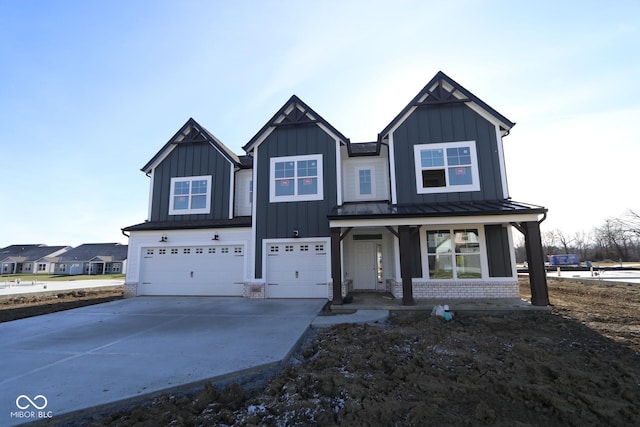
[[29, 259], [93, 258], [422, 212]]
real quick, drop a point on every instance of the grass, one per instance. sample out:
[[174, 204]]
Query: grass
[[59, 278]]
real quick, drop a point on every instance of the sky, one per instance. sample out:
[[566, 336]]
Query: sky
[[91, 90]]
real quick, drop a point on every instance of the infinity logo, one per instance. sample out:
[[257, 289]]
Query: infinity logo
[[30, 402]]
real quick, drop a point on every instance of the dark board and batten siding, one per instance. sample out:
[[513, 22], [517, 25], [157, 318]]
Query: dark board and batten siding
[[446, 123], [498, 251], [196, 159], [277, 220]]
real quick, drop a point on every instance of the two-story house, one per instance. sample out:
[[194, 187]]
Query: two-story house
[[422, 212]]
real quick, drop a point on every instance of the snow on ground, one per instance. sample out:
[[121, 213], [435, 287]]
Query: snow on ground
[[14, 287]]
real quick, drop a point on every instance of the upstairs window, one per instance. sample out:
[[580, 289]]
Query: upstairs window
[[296, 178], [447, 167], [364, 182], [190, 195]]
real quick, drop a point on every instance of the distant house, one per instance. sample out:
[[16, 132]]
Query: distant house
[[30, 259], [422, 212], [93, 258]]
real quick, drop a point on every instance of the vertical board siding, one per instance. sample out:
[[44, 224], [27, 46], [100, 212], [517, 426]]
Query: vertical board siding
[[446, 123], [277, 220], [192, 160], [498, 251]]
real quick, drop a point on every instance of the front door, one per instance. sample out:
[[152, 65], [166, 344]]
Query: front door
[[365, 275]]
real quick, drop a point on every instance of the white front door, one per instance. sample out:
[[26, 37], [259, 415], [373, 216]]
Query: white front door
[[365, 275]]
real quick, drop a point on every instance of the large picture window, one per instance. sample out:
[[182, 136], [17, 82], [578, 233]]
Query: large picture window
[[446, 167], [190, 195], [297, 178], [454, 254]]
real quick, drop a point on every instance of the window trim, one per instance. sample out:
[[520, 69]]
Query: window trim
[[484, 267], [448, 188], [190, 179], [319, 195], [359, 194]]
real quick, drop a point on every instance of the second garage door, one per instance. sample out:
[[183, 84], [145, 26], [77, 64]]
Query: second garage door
[[297, 270], [192, 270]]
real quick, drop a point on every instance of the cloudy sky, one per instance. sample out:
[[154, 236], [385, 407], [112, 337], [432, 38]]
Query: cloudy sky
[[91, 90]]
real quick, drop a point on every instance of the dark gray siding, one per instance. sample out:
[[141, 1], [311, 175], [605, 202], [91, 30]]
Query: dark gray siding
[[192, 160], [446, 123], [277, 220], [498, 253]]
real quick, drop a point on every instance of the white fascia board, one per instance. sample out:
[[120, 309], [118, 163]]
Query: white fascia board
[[160, 159], [503, 166], [451, 220]]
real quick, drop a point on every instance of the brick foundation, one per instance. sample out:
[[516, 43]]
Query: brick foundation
[[254, 291], [130, 290], [457, 290], [347, 286]]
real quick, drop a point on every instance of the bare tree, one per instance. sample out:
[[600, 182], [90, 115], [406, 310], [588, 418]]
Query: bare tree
[[582, 243], [563, 239]]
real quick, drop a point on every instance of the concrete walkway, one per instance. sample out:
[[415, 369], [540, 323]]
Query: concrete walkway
[[99, 355]]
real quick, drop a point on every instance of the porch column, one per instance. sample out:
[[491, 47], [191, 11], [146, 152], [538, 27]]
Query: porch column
[[336, 266], [535, 257], [404, 237]]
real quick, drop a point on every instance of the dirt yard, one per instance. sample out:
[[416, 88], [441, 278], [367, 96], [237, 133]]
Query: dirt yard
[[578, 366]]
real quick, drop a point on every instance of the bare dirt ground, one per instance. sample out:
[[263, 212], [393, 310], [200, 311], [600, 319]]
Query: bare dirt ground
[[15, 307], [578, 366]]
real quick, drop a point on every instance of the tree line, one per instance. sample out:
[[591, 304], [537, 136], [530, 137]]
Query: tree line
[[617, 239]]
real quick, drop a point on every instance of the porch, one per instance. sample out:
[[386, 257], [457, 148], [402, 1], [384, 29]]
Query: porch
[[356, 301]]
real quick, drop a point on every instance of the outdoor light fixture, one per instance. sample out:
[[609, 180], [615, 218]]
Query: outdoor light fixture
[[216, 237], [163, 239], [296, 233]]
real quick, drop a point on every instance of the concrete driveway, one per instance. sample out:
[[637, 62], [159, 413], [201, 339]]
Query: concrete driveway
[[68, 361]]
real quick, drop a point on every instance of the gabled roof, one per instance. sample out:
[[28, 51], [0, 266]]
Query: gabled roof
[[442, 89], [191, 133], [29, 252], [293, 112], [89, 251]]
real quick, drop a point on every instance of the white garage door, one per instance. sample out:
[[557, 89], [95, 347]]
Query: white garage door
[[297, 270], [192, 270]]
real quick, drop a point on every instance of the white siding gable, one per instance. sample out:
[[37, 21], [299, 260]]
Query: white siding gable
[[242, 202], [354, 167]]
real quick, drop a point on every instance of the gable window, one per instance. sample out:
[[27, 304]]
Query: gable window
[[365, 186], [190, 195], [296, 178], [447, 167]]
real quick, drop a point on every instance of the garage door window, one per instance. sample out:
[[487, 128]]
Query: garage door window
[[190, 195]]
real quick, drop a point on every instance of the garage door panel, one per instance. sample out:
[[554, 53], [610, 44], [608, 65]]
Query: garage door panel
[[212, 270], [297, 270]]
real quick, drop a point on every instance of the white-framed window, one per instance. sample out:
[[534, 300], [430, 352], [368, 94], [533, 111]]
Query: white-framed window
[[365, 182], [190, 195], [454, 254], [296, 178], [42, 267], [446, 167]]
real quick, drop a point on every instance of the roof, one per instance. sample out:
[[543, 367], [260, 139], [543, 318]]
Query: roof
[[191, 132], [88, 251], [361, 149], [436, 93], [239, 221], [387, 210], [29, 252], [293, 112]]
